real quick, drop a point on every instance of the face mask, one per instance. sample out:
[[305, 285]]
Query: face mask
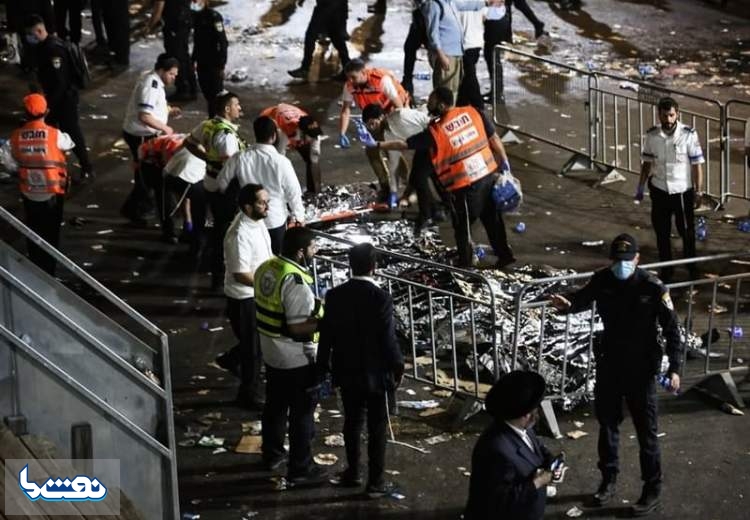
[[196, 7], [623, 269], [32, 39]]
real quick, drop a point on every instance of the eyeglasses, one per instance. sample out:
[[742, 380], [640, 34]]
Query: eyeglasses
[[261, 202]]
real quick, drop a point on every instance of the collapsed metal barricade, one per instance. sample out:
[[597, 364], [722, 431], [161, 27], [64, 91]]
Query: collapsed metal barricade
[[737, 139]]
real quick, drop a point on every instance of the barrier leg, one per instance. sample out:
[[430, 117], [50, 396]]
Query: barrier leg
[[721, 387], [549, 419], [462, 408]]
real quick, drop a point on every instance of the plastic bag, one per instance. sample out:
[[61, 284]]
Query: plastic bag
[[507, 193]]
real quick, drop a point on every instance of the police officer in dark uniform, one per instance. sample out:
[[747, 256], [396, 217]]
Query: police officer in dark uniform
[[630, 302], [70, 11], [177, 25], [56, 78], [209, 51]]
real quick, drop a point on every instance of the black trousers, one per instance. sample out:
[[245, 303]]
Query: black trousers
[[356, 403], [246, 354], [474, 202], [312, 167], [97, 21], [44, 219], [329, 18], [288, 400], [65, 117], [640, 396], [70, 9], [495, 33], [663, 207], [419, 180], [469, 93], [211, 82], [416, 38], [117, 24], [524, 7], [223, 208], [138, 202], [176, 38], [175, 190]]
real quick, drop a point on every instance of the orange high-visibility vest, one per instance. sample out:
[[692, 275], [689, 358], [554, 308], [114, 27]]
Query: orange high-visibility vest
[[41, 164], [287, 119], [462, 154], [159, 150], [372, 92]]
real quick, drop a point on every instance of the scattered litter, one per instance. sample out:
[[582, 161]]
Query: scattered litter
[[190, 516], [442, 393], [662, 434], [187, 443], [97, 117], [215, 329], [628, 85], [105, 232], [717, 309], [431, 411], [592, 243], [576, 434], [565, 116], [249, 515], [180, 302], [578, 424], [437, 439], [211, 441], [198, 377], [393, 472], [107, 95], [740, 360], [397, 496], [279, 483], [334, 440], [249, 444], [92, 206], [731, 410], [410, 391], [205, 391], [252, 427], [419, 405], [574, 512], [217, 451], [97, 247], [551, 491], [325, 459]]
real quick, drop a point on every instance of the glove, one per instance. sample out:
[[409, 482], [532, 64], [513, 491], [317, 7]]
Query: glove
[[344, 141], [639, 193], [368, 140], [505, 167]]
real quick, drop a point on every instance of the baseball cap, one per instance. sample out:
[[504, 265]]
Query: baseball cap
[[624, 247], [35, 104]]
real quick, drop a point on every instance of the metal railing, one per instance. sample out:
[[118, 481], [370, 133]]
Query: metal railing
[[737, 172], [66, 362]]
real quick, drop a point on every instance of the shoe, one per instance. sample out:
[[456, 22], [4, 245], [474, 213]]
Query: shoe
[[299, 73], [647, 504], [275, 464], [421, 225], [544, 40], [504, 262], [347, 479], [539, 31], [314, 476], [226, 362], [381, 490], [170, 239], [438, 214], [605, 493]]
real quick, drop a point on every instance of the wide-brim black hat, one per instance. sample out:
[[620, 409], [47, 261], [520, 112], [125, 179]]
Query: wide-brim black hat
[[514, 395]]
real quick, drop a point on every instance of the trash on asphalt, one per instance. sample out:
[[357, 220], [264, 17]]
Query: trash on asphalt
[[249, 444], [576, 434], [326, 459], [211, 442], [574, 512], [419, 405], [336, 439]]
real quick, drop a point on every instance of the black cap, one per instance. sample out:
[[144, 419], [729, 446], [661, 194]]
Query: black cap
[[514, 395], [624, 247]]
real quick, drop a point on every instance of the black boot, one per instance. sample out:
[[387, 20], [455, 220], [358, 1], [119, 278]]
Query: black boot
[[606, 491], [648, 502]]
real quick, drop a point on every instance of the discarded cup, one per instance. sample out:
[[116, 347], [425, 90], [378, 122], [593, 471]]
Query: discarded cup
[[744, 225], [736, 332], [520, 227], [666, 384]]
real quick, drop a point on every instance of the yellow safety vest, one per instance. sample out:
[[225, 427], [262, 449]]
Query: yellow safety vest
[[210, 129], [270, 314]]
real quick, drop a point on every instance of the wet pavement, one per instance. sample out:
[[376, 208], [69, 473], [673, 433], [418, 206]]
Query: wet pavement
[[706, 452]]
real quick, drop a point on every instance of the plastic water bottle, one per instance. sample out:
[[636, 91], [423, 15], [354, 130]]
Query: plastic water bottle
[[736, 332], [744, 225], [666, 384], [422, 75], [701, 230], [363, 133], [322, 288], [479, 253], [520, 227]]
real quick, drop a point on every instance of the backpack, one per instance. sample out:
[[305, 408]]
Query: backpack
[[79, 67]]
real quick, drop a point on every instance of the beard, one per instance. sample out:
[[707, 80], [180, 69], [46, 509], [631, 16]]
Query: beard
[[668, 127]]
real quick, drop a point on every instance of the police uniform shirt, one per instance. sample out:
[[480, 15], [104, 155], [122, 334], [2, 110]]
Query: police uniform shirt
[[671, 156], [209, 39], [299, 302], [386, 85], [404, 123], [186, 166], [247, 244], [263, 164], [226, 145], [54, 70], [64, 143], [150, 97]]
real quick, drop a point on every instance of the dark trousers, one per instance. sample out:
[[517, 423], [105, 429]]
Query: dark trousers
[[474, 202], [495, 33], [176, 38], [416, 38], [97, 21], [65, 117], [640, 397], [469, 93], [277, 238], [175, 191], [117, 23], [419, 180], [211, 81], [223, 208], [246, 354], [44, 219], [138, 202], [663, 207], [287, 399], [70, 9], [312, 167], [524, 7], [329, 18], [356, 403]]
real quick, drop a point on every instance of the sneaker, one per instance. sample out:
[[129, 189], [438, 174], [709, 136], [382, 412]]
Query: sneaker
[[380, 491], [647, 504], [314, 476], [347, 479], [299, 73], [605, 493]]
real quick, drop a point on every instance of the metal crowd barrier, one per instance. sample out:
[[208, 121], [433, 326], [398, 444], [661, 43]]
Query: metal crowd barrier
[[736, 128], [63, 362]]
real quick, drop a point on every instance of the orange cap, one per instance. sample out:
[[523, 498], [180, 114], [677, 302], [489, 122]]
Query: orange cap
[[35, 104]]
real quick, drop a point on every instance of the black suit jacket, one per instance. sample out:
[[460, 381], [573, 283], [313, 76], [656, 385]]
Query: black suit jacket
[[502, 470], [358, 338]]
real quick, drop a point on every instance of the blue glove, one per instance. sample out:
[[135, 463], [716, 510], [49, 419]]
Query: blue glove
[[344, 141], [367, 140], [639, 193], [505, 166]]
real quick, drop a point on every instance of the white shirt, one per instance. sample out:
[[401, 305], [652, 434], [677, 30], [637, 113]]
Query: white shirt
[[282, 352], [148, 96], [186, 166], [404, 123], [523, 434], [226, 145], [386, 85], [472, 24], [64, 143], [671, 156], [263, 164], [247, 244]]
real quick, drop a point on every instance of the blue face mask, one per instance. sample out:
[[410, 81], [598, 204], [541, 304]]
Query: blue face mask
[[32, 39], [196, 7], [623, 269]]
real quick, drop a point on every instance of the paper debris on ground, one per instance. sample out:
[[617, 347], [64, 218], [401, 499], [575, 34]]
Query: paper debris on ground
[[574, 512], [409, 391], [431, 411], [211, 442], [442, 393], [393, 472], [437, 439], [578, 424], [249, 444], [419, 405], [397, 496], [576, 434], [423, 360], [717, 309], [252, 427], [325, 459], [218, 451], [334, 440], [279, 483], [204, 391]]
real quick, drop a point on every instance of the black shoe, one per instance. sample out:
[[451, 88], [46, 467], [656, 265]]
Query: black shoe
[[347, 479], [170, 239], [421, 225], [381, 490], [605, 493], [299, 73], [227, 362], [647, 504], [314, 476], [539, 32], [504, 262], [274, 464]]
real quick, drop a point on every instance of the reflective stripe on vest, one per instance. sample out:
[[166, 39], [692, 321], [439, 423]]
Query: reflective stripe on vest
[[41, 164], [287, 119], [462, 154], [372, 92], [269, 277], [211, 128]]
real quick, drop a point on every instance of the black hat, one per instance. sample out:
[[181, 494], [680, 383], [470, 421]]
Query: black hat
[[624, 247], [514, 395]]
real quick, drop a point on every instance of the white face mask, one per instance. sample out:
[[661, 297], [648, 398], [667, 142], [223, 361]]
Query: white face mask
[[623, 269], [196, 7]]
